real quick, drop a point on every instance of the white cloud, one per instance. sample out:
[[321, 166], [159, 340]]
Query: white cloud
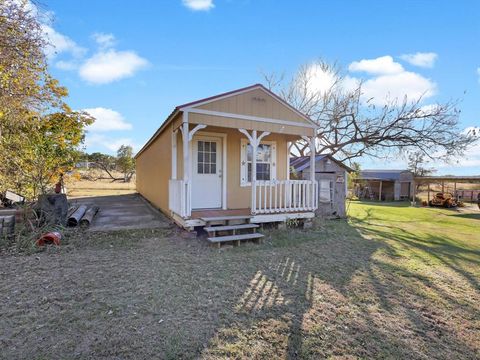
[[319, 80], [379, 66], [107, 120], [350, 83], [66, 65], [471, 158], [389, 81], [104, 40], [199, 5], [101, 141], [107, 66], [429, 109], [426, 60], [59, 43], [386, 88]]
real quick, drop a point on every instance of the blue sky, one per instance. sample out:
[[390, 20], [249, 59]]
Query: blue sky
[[131, 62]]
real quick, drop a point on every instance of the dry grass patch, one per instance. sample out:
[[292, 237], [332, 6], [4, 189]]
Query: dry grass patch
[[393, 283]]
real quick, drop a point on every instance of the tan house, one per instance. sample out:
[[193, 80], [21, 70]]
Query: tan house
[[227, 156]]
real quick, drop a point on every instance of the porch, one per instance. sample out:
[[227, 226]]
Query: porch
[[227, 164], [207, 190]]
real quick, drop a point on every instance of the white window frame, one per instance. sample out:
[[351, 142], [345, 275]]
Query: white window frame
[[244, 163]]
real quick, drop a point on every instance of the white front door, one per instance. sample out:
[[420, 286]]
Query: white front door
[[207, 172]]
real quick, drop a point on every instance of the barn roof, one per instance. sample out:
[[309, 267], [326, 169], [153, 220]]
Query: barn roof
[[300, 163], [385, 175]]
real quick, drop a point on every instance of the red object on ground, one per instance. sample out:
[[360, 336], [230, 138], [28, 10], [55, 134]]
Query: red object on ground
[[58, 188], [50, 238]]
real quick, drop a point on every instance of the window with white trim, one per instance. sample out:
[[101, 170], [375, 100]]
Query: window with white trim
[[266, 161]]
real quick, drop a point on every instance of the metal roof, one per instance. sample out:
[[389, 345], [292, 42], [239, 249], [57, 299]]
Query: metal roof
[[300, 163], [385, 175], [452, 178]]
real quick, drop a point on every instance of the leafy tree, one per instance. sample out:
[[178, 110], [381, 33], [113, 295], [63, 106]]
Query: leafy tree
[[109, 164], [104, 162], [125, 162], [351, 126], [39, 134], [417, 165], [42, 150], [353, 176], [26, 87]]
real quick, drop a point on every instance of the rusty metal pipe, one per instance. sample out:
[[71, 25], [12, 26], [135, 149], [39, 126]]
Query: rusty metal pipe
[[89, 215], [74, 219]]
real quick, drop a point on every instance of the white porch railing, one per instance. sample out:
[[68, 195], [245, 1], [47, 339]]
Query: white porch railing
[[278, 196], [178, 197]]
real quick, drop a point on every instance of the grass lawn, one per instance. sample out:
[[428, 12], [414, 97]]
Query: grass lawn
[[392, 282], [102, 187]]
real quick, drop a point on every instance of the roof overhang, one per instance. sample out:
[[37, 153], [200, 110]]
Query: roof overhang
[[191, 107]]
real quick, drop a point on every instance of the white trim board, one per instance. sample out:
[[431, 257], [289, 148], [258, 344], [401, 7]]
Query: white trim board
[[249, 117]]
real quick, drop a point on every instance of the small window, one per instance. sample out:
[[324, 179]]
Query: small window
[[207, 157], [266, 167], [325, 190]]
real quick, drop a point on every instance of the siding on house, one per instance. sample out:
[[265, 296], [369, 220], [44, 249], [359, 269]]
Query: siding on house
[[154, 171], [235, 123], [254, 103]]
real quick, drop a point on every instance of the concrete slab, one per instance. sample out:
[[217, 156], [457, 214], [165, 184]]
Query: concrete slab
[[123, 212]]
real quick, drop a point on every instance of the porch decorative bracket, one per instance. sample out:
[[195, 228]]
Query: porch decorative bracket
[[253, 139], [194, 130]]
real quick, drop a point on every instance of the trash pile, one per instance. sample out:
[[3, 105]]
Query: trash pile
[[77, 215], [51, 211]]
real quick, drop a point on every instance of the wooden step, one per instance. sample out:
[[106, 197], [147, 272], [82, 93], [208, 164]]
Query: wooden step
[[226, 218], [230, 227], [221, 239]]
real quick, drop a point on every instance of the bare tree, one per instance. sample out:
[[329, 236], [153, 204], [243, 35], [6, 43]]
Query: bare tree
[[417, 164], [350, 126]]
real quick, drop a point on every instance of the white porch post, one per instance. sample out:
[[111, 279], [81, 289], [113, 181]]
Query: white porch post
[[254, 144], [289, 147], [314, 193], [186, 164], [312, 158], [174, 155]]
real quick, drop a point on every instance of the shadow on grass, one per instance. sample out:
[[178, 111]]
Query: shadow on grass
[[338, 290], [467, 216], [342, 290]]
